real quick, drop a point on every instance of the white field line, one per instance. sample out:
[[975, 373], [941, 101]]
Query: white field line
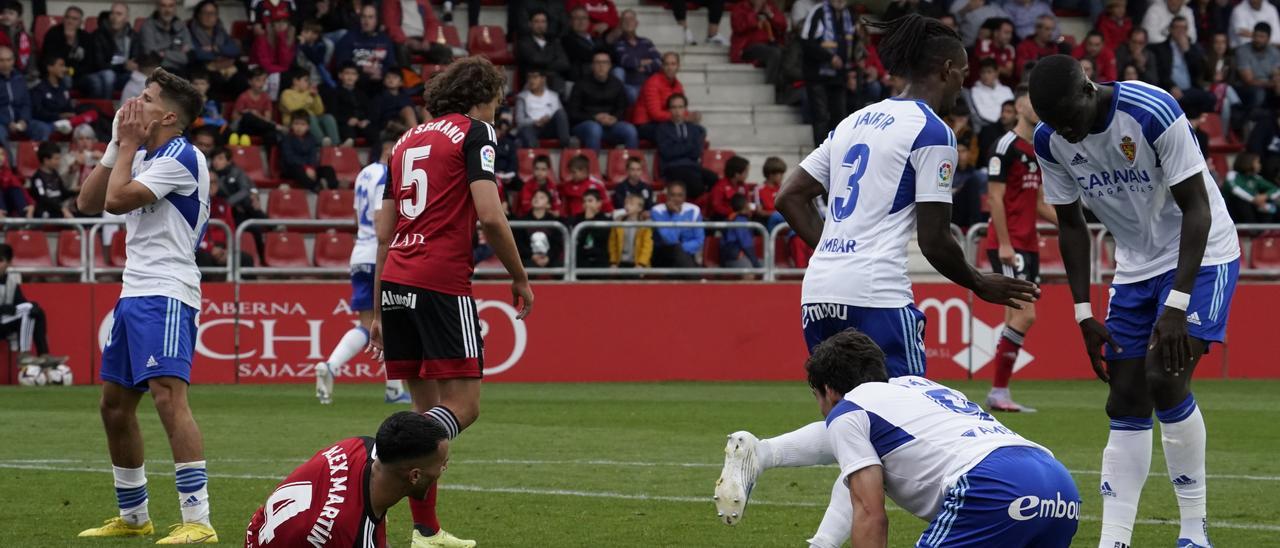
[[592, 494]]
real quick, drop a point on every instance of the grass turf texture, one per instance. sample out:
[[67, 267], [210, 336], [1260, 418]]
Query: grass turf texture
[[589, 464]]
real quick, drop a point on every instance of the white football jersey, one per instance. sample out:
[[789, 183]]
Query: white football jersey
[[162, 236], [368, 187], [876, 165], [1124, 173], [923, 434]]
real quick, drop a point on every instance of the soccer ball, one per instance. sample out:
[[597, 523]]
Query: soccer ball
[[32, 375], [59, 375]]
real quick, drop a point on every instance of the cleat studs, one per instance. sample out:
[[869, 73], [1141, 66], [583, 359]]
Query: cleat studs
[[734, 515], [719, 514]]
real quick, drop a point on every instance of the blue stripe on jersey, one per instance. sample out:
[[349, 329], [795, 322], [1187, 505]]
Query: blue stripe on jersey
[[934, 133], [1041, 142], [1154, 110], [885, 437], [185, 154], [845, 406], [906, 194], [188, 206]]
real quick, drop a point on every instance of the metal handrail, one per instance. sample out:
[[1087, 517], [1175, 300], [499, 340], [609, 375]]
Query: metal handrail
[[978, 231], [562, 270], [31, 223], [956, 232], [238, 272], [763, 271], [89, 251]]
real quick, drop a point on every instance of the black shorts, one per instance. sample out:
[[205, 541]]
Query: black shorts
[[430, 335], [1026, 265]]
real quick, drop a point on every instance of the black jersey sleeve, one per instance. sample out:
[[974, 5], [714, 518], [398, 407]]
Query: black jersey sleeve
[[480, 150], [1002, 160]]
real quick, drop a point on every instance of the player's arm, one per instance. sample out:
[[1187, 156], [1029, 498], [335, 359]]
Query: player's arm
[[1044, 210], [384, 226], [93, 189], [870, 523], [997, 170], [479, 151], [124, 193], [796, 198]]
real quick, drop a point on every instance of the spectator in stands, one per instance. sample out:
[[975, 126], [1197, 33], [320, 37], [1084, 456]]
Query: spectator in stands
[[69, 41], [1160, 15], [633, 184], [969, 184], [13, 198], [1246, 15], [581, 181], [23, 316], [304, 96], [988, 94], [1181, 65], [734, 183], [537, 51], [274, 51], [473, 12], [677, 247], [1024, 13], [603, 14], [372, 50], [15, 105], [896, 9], [829, 43], [205, 139], [540, 182], [165, 34], [314, 53], [146, 64], [1114, 24], [408, 27], [767, 192], [539, 113], [46, 187], [1094, 48], [519, 11], [393, 107], [579, 45], [998, 48], [1251, 198], [300, 156], [1137, 53], [113, 46], [254, 114], [596, 108], [81, 157], [349, 106], [738, 245], [1255, 63], [593, 243], [211, 112], [1041, 44], [235, 187], [507, 160], [715, 10], [540, 247], [1088, 68], [680, 146], [263, 12], [51, 99], [631, 247], [336, 16], [971, 14], [212, 250], [759, 32], [14, 35], [991, 133], [638, 58], [651, 107], [1219, 72], [215, 51]]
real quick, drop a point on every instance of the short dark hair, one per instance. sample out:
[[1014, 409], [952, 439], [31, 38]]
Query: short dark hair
[[1019, 91], [389, 137], [844, 361], [50, 60], [542, 159], [675, 96], [677, 183], [468, 82], [300, 115], [988, 63], [311, 25], [14, 5], [634, 160], [774, 165], [210, 131], [735, 166], [48, 149], [1137, 30], [1262, 27], [406, 435], [593, 193], [300, 74], [580, 162], [1244, 162], [914, 45], [198, 74], [257, 72], [737, 202], [1055, 80], [348, 65], [544, 192], [537, 11], [6, 253], [180, 93], [220, 151]]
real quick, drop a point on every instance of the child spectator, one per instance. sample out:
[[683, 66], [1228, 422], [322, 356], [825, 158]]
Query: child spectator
[[539, 113], [211, 114], [633, 184], [273, 51], [988, 93], [733, 184], [81, 158], [213, 248], [348, 104], [593, 243], [1252, 198], [46, 186], [300, 154], [580, 182], [540, 247], [237, 190], [51, 100], [393, 108], [541, 181], [14, 34], [13, 199], [254, 114], [767, 192], [314, 53], [738, 246], [631, 247], [302, 96], [23, 317]]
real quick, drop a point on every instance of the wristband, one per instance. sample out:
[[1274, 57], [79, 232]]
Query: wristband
[[108, 159], [1178, 300], [1084, 311]]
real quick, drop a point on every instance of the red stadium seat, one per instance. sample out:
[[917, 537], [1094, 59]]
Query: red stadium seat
[[714, 159], [105, 107], [336, 205], [1211, 123], [287, 203], [286, 249], [1051, 256], [658, 181], [69, 243], [333, 249], [117, 256], [242, 30], [490, 42], [983, 262], [711, 252], [30, 248], [250, 160], [137, 23], [445, 34], [41, 26], [1265, 252], [524, 161], [91, 24], [344, 161], [248, 245], [27, 160], [569, 153], [618, 164], [429, 71], [781, 253]]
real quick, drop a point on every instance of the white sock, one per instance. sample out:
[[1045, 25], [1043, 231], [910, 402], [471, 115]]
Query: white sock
[[837, 522], [807, 446], [131, 494], [193, 491], [1183, 436], [397, 386], [351, 344], [1125, 464]]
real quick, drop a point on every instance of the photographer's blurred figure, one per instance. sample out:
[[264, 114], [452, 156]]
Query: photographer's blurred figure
[[22, 317]]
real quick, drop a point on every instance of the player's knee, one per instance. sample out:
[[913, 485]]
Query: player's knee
[[1166, 390], [169, 399], [1137, 405]]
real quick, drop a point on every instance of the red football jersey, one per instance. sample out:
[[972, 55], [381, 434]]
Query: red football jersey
[[432, 168], [1014, 164], [323, 503]]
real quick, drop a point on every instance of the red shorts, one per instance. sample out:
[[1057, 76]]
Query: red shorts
[[430, 335]]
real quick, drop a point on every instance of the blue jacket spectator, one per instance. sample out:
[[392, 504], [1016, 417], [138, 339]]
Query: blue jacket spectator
[[49, 100], [371, 50], [637, 57], [15, 104], [680, 145], [738, 243], [677, 247]]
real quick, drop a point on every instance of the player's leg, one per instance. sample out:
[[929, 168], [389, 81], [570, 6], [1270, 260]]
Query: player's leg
[[1017, 324], [834, 528], [354, 340]]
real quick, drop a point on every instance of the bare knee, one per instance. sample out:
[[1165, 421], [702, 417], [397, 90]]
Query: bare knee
[[1123, 403], [170, 399], [1167, 390], [466, 411], [114, 413]]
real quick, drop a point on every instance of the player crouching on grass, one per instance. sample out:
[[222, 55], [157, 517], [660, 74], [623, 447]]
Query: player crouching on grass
[[340, 496], [935, 454]]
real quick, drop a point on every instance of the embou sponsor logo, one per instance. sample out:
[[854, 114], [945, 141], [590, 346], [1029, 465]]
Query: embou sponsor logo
[[817, 312], [1031, 507]]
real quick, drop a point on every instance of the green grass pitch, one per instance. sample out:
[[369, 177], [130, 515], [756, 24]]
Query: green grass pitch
[[600, 465]]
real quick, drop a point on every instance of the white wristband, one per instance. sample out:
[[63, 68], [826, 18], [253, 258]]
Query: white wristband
[[1178, 300], [108, 159], [1084, 311]]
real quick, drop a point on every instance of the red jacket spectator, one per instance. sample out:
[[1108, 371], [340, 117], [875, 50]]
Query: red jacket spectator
[[651, 105], [392, 17], [765, 196], [526, 198], [1104, 64], [22, 45], [749, 28], [1005, 58], [254, 100], [274, 59], [1114, 32], [572, 191], [218, 211], [722, 194], [600, 11], [1029, 51]]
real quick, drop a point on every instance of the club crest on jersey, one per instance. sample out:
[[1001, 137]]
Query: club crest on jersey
[[1128, 148], [945, 171]]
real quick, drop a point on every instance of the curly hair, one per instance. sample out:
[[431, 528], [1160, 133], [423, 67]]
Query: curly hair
[[466, 83], [844, 361]]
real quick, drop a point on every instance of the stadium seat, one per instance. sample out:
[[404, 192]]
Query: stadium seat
[[714, 159], [287, 203], [41, 26], [428, 71], [490, 42], [30, 248], [569, 153], [781, 253], [286, 249], [344, 161], [337, 205], [91, 24], [445, 34], [1211, 123], [524, 161], [117, 256], [105, 107], [333, 249], [242, 31], [711, 252], [250, 160], [1219, 164], [69, 244], [1051, 256], [1264, 253], [618, 164], [248, 245], [27, 160], [982, 262]]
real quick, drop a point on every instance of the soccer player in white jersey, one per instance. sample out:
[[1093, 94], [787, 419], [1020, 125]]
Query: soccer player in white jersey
[[159, 181], [884, 168], [1127, 151], [937, 455], [368, 190]]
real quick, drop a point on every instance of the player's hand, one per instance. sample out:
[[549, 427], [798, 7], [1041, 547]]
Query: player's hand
[[1095, 335], [1170, 342], [375, 340], [132, 131], [1007, 255], [1006, 291], [522, 298]]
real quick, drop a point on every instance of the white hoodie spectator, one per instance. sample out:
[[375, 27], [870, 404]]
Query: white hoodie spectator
[[1249, 13]]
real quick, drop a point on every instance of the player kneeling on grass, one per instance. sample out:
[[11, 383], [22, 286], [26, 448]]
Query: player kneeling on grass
[[340, 496], [937, 455]]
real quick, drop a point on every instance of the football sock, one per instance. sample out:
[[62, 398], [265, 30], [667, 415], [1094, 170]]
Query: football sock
[[807, 446], [131, 494], [446, 418], [351, 344], [1125, 464], [1183, 436], [835, 526], [1007, 355], [193, 491], [425, 521]]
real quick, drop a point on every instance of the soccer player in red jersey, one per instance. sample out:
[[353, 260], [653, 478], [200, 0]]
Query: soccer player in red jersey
[[340, 496], [1013, 245], [425, 326]]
